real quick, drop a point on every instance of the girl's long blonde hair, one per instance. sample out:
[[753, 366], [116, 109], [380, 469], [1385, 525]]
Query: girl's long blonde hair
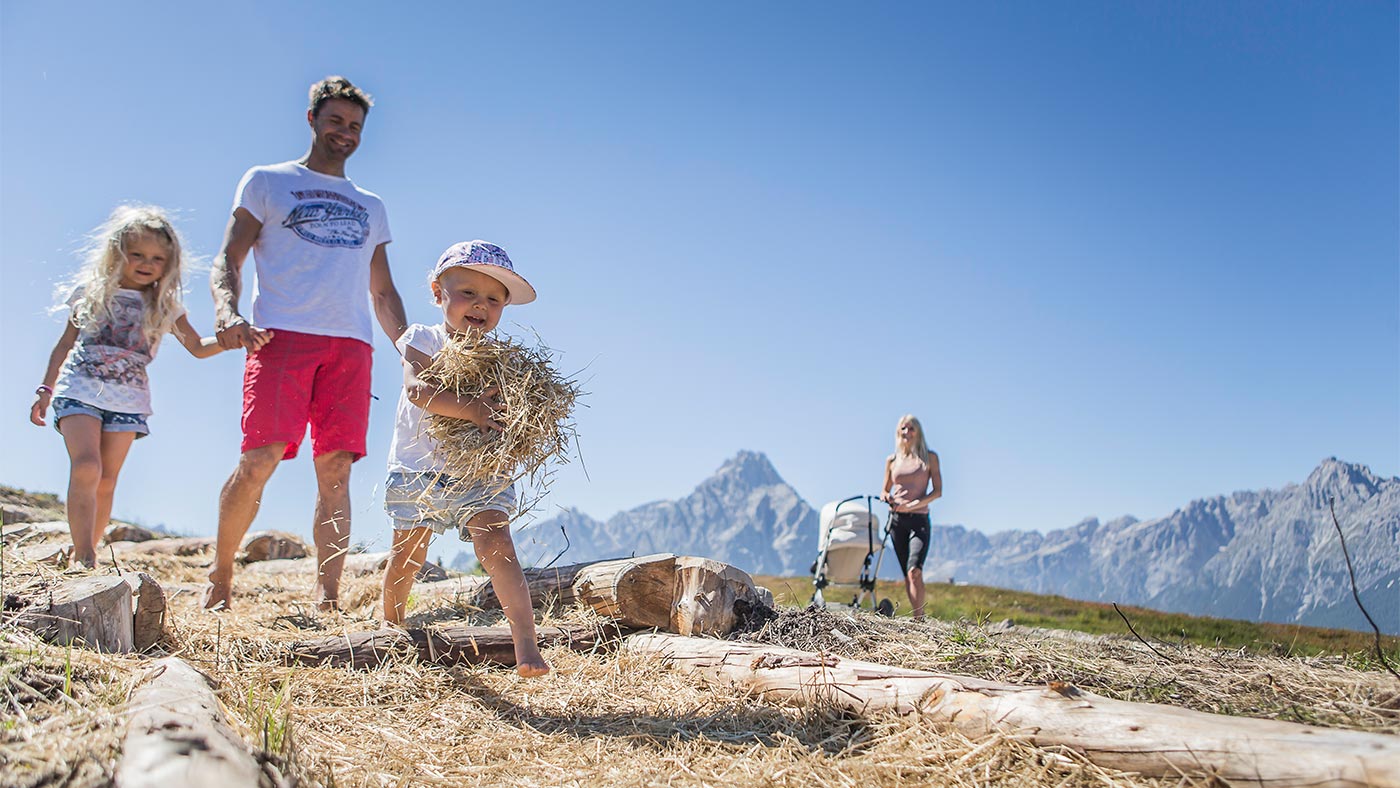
[[918, 445], [104, 257]]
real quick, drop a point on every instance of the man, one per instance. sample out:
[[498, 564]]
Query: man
[[319, 244]]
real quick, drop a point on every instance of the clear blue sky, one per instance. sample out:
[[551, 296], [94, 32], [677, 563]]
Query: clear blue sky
[[1116, 256]]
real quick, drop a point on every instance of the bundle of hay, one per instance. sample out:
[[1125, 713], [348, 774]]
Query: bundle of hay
[[536, 403]]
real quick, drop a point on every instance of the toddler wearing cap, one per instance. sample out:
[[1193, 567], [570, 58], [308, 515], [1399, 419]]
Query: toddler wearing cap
[[473, 282]]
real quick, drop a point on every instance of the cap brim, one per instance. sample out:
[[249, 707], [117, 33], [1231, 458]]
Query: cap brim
[[521, 292]]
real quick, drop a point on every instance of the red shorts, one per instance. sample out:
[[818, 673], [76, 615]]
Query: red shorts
[[299, 379]]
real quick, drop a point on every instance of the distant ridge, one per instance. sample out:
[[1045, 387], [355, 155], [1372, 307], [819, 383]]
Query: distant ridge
[[744, 514], [1267, 555]]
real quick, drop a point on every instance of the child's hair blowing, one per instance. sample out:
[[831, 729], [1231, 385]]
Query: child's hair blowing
[[104, 259]]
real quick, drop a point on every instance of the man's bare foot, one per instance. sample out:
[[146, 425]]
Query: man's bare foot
[[217, 596], [531, 664]]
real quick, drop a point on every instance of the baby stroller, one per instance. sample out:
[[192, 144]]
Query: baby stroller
[[848, 551]]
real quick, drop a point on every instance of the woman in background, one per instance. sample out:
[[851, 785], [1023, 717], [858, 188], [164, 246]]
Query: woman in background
[[912, 482]]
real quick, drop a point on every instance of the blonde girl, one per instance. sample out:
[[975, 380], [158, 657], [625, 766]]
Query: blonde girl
[[126, 297], [912, 482]]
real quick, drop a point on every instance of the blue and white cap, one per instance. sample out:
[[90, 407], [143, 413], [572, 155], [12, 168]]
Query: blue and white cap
[[489, 259]]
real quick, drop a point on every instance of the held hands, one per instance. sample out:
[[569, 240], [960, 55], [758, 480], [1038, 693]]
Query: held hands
[[239, 333], [484, 410]]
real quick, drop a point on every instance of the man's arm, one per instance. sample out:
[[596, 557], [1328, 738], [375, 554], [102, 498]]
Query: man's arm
[[388, 306], [226, 280]]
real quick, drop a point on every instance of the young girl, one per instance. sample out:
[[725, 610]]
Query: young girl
[[125, 298], [912, 482]]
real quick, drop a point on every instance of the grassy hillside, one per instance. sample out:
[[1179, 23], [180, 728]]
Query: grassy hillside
[[984, 604]]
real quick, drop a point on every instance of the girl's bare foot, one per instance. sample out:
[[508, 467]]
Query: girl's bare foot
[[218, 595]]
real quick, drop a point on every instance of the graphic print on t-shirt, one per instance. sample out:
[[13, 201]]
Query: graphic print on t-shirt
[[328, 218]]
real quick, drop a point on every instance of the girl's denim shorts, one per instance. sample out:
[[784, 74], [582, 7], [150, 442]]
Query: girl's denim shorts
[[111, 420], [431, 500]]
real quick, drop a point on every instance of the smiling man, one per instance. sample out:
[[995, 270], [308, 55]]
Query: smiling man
[[318, 241]]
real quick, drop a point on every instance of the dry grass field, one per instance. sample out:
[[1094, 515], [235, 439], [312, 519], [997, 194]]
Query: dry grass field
[[605, 718]]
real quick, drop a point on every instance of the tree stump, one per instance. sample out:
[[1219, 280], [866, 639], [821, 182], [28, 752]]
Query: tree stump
[[704, 595], [148, 617], [178, 736], [94, 610]]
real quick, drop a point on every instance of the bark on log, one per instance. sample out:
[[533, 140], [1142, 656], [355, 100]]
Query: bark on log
[[554, 585], [635, 592], [704, 595], [94, 610], [177, 735], [270, 545], [1158, 741], [446, 646], [148, 614]]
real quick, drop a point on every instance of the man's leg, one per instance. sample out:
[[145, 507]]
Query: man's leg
[[238, 505], [331, 529]]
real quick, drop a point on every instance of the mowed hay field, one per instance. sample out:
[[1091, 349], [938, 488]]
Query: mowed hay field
[[605, 718]]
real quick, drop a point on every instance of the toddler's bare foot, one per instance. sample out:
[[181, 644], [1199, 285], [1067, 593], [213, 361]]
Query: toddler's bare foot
[[327, 600], [530, 663]]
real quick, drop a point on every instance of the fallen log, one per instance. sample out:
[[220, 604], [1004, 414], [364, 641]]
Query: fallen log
[[23, 532], [126, 532], [356, 565], [50, 553], [1157, 741], [176, 546], [270, 545], [552, 586], [177, 735], [445, 646], [635, 592]]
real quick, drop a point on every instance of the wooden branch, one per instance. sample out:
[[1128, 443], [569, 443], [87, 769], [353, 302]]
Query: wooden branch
[[635, 592], [1157, 741], [446, 646], [178, 736], [94, 610]]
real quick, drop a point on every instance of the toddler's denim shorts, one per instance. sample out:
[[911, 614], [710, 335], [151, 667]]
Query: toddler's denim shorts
[[432, 500], [111, 420]]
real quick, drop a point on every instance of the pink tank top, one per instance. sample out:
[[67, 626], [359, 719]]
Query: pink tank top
[[910, 480]]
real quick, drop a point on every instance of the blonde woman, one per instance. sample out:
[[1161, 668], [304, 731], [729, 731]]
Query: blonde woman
[[912, 482]]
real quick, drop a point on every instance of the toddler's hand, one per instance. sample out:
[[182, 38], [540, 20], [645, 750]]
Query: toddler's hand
[[39, 408], [483, 410]]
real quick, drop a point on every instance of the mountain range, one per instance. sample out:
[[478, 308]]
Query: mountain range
[[1267, 555]]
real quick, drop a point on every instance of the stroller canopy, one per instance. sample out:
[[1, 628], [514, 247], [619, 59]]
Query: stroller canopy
[[849, 530]]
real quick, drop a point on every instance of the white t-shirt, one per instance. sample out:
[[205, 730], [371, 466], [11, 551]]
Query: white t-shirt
[[412, 449], [107, 366], [312, 256]]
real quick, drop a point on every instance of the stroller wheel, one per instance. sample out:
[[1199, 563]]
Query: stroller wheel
[[885, 608]]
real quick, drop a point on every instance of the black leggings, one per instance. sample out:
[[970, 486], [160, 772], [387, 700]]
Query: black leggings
[[909, 532]]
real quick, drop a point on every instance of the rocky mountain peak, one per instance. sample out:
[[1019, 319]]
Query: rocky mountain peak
[[1334, 477], [749, 469]]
